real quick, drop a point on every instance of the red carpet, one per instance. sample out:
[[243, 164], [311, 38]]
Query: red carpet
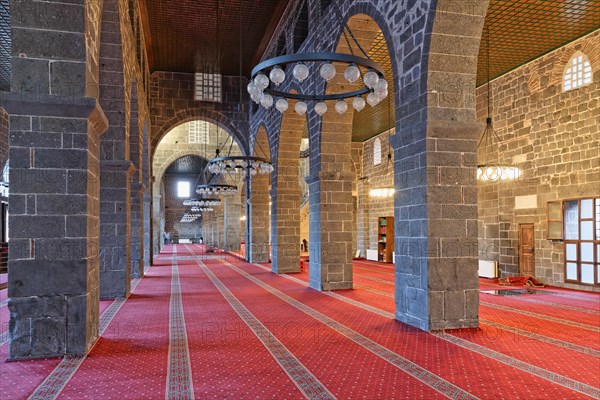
[[248, 333]]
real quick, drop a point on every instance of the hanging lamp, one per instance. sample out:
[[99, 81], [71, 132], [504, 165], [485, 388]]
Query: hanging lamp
[[237, 167], [492, 171], [269, 74]]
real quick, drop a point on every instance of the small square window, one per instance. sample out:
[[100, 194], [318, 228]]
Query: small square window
[[183, 189]]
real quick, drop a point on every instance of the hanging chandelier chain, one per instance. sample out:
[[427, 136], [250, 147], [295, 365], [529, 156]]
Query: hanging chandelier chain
[[338, 14]]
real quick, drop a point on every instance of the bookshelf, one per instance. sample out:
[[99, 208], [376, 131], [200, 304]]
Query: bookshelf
[[385, 239]]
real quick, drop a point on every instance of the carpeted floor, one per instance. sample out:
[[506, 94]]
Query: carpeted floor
[[215, 327]]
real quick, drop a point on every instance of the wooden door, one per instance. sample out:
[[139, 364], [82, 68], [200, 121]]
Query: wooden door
[[527, 250]]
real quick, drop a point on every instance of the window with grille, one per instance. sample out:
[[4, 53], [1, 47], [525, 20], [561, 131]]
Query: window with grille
[[578, 72], [5, 43], [208, 87], [198, 132], [377, 152]]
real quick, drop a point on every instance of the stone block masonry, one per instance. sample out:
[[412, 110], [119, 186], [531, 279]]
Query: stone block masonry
[[554, 138]]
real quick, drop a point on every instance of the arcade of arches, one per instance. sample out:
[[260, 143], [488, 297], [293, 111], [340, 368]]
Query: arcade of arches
[[383, 257]]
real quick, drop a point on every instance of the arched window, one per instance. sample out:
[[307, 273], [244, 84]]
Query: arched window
[[578, 72], [377, 152]]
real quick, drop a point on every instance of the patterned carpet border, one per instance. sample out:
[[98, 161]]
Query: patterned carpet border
[[542, 338], [310, 386], [179, 373], [56, 381], [416, 371]]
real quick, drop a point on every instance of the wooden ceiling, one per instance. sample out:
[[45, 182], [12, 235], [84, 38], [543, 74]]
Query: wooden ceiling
[[182, 37]]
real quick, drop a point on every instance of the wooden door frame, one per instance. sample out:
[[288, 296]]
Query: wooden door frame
[[521, 225]]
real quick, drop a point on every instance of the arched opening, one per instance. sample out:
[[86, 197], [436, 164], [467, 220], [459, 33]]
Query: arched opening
[[192, 143], [347, 173]]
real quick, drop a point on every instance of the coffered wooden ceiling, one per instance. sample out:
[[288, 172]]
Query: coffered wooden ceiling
[[183, 33]]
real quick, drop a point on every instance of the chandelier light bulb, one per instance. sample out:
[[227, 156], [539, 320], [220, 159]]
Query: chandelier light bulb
[[252, 89], [277, 75], [281, 105], [352, 73], [300, 107], [321, 108], [266, 101], [341, 106], [370, 79], [261, 81], [373, 99], [257, 97], [358, 103], [300, 72], [327, 71], [381, 87]]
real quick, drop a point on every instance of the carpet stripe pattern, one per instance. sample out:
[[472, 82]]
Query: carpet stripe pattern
[[425, 376], [302, 377], [213, 326], [58, 379], [179, 377], [513, 362]]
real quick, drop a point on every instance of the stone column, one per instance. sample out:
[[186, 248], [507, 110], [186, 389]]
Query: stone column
[[257, 247], [219, 229], [137, 228], [115, 233], [331, 205], [157, 233], [331, 222], [437, 286], [232, 233], [115, 167], [54, 135], [363, 217], [285, 218], [147, 200]]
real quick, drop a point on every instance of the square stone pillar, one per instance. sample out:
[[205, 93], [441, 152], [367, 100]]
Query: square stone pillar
[[285, 219], [232, 234], [220, 229], [331, 231], [147, 229], [257, 248], [437, 286], [53, 250], [363, 216], [115, 233], [137, 229]]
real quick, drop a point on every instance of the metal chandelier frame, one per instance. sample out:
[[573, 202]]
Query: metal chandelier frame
[[317, 57]]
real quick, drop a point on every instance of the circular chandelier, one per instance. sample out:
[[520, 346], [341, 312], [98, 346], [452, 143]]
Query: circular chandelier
[[269, 74], [495, 173], [240, 165], [190, 217], [202, 202], [201, 209], [382, 192], [216, 189]]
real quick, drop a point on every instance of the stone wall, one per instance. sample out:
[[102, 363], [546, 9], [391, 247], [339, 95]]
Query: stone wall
[[554, 138], [172, 103], [3, 137]]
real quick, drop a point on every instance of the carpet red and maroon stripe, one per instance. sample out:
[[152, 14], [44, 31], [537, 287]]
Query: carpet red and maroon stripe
[[458, 366], [227, 360]]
